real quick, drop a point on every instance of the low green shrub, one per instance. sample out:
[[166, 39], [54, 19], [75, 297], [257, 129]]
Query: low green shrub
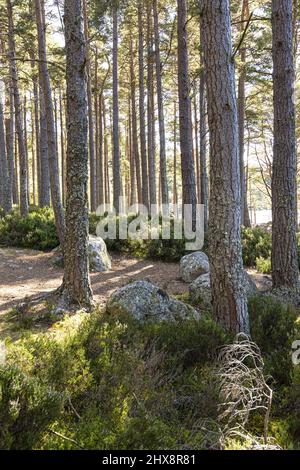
[[36, 231], [264, 265], [257, 244], [123, 385], [27, 407], [274, 328]]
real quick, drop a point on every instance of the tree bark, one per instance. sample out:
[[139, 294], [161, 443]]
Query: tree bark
[[203, 139], [135, 143], [52, 147], [93, 182], [161, 119], [228, 294], [76, 283], [189, 193], [10, 130], [6, 188], [144, 162], [117, 190], [150, 111], [241, 116], [284, 189], [24, 206]]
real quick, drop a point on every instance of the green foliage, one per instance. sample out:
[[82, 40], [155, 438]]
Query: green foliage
[[159, 249], [274, 328], [36, 231], [124, 385], [257, 244], [264, 265], [27, 407]]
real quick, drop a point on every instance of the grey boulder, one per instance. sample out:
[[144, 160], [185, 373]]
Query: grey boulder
[[145, 301], [200, 289], [193, 265]]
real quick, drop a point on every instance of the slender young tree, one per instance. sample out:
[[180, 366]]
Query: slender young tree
[[241, 116], [117, 185], [189, 192], [203, 138], [51, 134], [144, 162], [150, 109], [228, 294], [93, 180], [135, 142], [24, 206], [285, 271], [161, 119], [6, 184], [76, 283]]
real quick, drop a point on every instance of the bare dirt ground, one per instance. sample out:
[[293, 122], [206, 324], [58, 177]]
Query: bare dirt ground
[[26, 273]]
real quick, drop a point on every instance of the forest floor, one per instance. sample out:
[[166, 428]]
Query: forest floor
[[26, 273]]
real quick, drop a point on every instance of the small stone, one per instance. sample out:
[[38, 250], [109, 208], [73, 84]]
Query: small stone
[[193, 265]]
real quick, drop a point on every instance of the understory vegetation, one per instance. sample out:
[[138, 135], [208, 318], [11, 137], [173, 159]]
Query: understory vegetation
[[37, 231], [107, 382]]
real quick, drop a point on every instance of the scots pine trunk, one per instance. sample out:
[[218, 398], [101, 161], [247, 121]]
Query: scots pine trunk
[[93, 182], [144, 161], [44, 187], [150, 111], [51, 137], [24, 206], [189, 192], [161, 119], [116, 142], [203, 139], [135, 142], [225, 251], [241, 117], [10, 130], [6, 184], [76, 283], [284, 188]]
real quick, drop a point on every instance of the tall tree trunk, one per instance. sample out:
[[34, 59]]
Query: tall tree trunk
[[10, 130], [76, 281], [241, 116], [24, 207], [6, 186], [284, 189], [62, 148], [93, 184], [26, 144], [44, 188], [135, 143], [227, 278], [203, 139], [145, 182], [161, 119], [150, 111], [105, 149], [175, 189], [116, 142], [189, 194], [35, 125], [33, 156], [52, 148]]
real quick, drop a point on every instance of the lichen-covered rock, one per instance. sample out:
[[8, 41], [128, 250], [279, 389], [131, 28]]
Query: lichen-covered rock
[[193, 265], [145, 301], [99, 258], [200, 289]]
